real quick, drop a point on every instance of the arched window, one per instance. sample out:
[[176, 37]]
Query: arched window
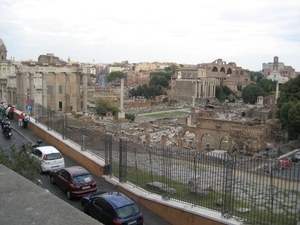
[[229, 71]]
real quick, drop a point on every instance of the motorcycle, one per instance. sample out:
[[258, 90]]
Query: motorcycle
[[31, 145], [6, 128]]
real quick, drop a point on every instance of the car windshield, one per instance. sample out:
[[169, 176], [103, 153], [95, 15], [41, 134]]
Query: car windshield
[[127, 211], [53, 156], [82, 179]]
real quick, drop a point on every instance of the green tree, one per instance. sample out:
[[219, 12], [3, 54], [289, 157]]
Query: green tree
[[149, 92], [255, 76], [20, 161], [156, 80], [289, 107], [93, 75], [289, 91], [294, 121], [267, 85], [130, 116], [251, 92], [104, 105], [115, 75], [223, 92]]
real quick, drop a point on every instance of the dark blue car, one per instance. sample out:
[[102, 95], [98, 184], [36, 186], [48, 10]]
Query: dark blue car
[[112, 208]]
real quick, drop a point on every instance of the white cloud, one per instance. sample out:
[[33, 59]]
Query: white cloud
[[247, 32]]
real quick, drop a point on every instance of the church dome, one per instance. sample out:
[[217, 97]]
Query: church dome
[[1, 42], [3, 51]]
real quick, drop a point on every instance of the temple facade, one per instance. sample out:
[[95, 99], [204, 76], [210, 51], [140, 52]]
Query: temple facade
[[199, 83], [48, 81]]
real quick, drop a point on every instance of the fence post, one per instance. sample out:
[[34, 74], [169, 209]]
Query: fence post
[[36, 109], [122, 161], [108, 155], [228, 185], [83, 137], [48, 118]]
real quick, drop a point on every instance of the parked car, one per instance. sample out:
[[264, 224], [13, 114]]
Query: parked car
[[292, 159], [283, 164], [112, 208], [297, 155], [76, 181], [49, 156]]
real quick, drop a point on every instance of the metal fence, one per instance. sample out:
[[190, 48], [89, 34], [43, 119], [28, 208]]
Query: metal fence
[[253, 190]]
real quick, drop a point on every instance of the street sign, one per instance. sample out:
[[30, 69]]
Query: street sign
[[28, 101], [29, 107]]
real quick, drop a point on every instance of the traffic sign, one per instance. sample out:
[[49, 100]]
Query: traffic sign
[[28, 101], [29, 107]]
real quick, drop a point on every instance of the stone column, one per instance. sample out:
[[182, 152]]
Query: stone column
[[11, 96], [277, 92], [1, 93], [122, 94], [214, 90], [31, 86], [121, 112], [204, 89], [24, 90], [19, 91], [78, 98], [56, 92], [68, 93], [198, 145], [84, 93], [44, 90]]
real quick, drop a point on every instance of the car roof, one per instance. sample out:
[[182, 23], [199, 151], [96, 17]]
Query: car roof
[[117, 199], [76, 170], [47, 149]]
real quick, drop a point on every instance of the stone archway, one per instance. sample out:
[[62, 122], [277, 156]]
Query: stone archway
[[237, 133], [218, 129]]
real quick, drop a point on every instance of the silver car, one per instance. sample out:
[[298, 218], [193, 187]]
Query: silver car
[[297, 155]]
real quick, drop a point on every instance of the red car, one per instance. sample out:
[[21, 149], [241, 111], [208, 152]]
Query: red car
[[75, 181], [283, 164]]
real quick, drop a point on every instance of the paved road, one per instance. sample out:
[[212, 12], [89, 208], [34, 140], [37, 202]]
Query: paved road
[[19, 135]]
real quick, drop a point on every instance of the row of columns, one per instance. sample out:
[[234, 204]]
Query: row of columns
[[23, 92], [205, 88]]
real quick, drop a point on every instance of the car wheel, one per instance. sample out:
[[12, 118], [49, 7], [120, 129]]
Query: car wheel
[[85, 209], [68, 194], [52, 179]]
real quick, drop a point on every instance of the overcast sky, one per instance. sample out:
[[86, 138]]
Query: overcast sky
[[248, 33]]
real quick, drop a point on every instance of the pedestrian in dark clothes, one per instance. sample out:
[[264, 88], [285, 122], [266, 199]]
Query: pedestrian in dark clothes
[[25, 121]]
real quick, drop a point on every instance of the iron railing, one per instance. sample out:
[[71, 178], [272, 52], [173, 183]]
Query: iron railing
[[253, 190]]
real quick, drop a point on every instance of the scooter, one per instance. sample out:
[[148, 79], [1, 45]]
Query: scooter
[[31, 145], [6, 128]]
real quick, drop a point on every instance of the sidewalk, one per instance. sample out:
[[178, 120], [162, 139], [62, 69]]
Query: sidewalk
[[26, 133]]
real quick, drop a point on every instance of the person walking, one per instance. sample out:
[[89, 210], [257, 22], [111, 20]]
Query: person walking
[[25, 121], [11, 112], [7, 110], [21, 117]]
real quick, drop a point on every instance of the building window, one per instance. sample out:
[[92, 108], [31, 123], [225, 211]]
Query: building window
[[60, 89], [49, 90]]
